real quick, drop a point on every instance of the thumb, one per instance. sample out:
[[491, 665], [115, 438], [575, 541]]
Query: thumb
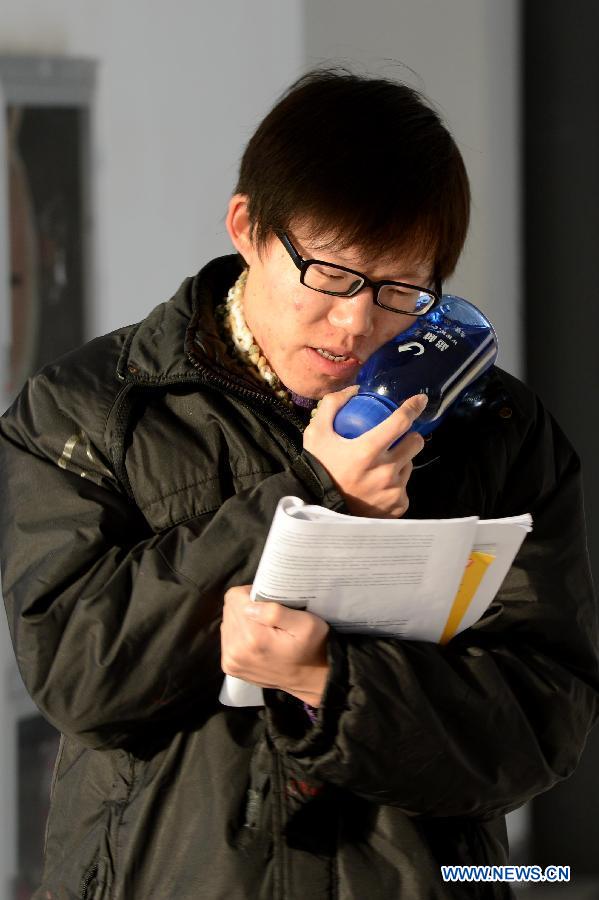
[[415, 405], [397, 424]]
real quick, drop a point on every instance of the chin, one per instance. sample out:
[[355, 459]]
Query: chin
[[303, 390], [318, 391], [305, 382]]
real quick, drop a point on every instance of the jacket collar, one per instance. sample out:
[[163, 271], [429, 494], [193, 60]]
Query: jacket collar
[[180, 336]]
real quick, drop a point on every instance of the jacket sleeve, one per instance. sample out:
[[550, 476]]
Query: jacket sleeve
[[117, 628], [501, 713]]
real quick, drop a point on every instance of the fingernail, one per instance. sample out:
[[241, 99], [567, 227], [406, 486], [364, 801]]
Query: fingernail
[[422, 400]]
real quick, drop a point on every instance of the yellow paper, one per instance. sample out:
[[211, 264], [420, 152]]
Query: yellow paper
[[476, 567]]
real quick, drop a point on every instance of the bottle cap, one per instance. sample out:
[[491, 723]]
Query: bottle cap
[[362, 413]]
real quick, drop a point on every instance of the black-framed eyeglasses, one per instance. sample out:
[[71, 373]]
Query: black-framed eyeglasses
[[339, 281]]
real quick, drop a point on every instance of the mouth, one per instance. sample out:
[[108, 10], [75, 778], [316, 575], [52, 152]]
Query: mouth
[[336, 355], [330, 361]]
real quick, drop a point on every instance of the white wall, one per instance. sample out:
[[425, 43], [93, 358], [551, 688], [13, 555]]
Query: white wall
[[181, 87], [464, 57]]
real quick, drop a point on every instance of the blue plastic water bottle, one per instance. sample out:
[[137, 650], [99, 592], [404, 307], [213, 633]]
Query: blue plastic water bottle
[[441, 355]]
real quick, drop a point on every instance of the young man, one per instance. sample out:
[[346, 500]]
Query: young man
[[139, 479]]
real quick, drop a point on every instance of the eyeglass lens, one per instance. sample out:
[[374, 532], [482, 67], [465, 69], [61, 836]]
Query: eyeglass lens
[[403, 299]]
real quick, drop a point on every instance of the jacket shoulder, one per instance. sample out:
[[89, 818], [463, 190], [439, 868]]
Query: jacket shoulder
[[540, 458], [532, 418], [62, 410], [525, 403], [513, 409], [504, 447]]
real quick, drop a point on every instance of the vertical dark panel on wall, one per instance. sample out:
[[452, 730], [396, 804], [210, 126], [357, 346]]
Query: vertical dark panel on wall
[[560, 56]]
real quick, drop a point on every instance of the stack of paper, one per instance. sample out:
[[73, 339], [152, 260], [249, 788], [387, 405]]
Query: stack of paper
[[419, 579]]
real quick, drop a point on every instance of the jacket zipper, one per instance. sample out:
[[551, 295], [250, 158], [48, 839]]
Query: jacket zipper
[[255, 801], [279, 858], [220, 381], [292, 447], [86, 880], [213, 379]]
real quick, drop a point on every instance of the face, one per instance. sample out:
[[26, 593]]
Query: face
[[291, 322]]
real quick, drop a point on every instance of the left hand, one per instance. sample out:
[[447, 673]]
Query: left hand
[[274, 646]]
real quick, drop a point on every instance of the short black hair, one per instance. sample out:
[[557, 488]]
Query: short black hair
[[363, 161]]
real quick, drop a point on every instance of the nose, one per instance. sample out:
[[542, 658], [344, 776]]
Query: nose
[[353, 314]]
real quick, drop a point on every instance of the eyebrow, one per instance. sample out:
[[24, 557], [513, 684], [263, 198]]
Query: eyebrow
[[411, 277], [311, 253]]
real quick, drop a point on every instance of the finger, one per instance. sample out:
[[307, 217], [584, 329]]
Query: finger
[[272, 614], [234, 600], [401, 509], [330, 404], [394, 477], [406, 449], [403, 475], [275, 615], [238, 593], [394, 426], [262, 612]]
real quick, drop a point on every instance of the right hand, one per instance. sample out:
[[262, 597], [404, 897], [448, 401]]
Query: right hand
[[371, 477]]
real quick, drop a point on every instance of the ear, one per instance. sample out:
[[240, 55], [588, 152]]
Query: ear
[[237, 223]]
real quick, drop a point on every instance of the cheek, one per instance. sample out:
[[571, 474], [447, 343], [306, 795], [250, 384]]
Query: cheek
[[299, 304], [291, 319], [297, 315], [396, 325], [308, 311], [384, 332]]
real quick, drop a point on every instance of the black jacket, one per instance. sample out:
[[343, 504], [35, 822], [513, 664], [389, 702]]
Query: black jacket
[[139, 478]]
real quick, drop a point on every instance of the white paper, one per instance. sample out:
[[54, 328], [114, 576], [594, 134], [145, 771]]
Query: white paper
[[502, 538], [365, 575], [237, 692], [396, 577]]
